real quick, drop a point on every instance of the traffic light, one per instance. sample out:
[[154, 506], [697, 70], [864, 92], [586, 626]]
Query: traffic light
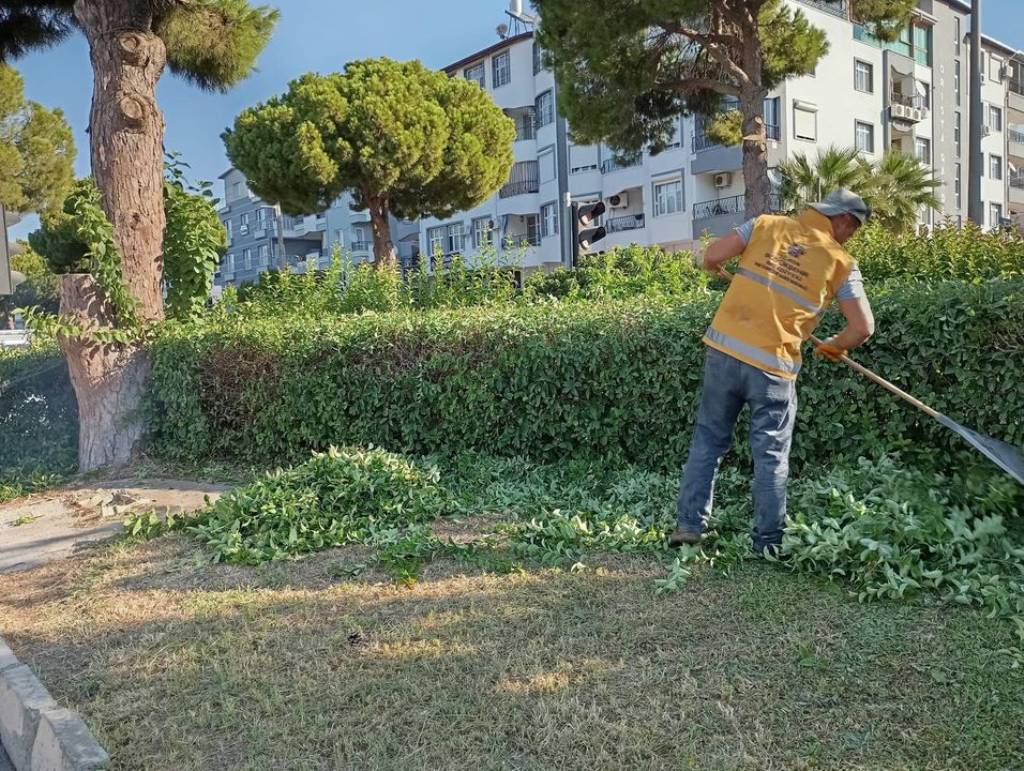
[[583, 235]]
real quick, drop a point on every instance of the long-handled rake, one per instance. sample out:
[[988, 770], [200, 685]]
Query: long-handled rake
[[1006, 456]]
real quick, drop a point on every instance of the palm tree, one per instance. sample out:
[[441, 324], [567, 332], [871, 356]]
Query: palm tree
[[805, 181], [896, 187]]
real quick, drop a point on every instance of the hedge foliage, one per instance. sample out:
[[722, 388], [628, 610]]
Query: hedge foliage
[[948, 252], [38, 414], [617, 380]]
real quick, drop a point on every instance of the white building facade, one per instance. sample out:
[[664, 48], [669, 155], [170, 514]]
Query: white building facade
[[911, 95]]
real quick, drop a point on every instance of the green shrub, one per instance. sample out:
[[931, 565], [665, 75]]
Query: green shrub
[[949, 252], [609, 380], [334, 498], [38, 418]]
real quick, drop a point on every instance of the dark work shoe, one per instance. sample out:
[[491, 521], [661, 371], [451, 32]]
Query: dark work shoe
[[683, 537], [771, 551]]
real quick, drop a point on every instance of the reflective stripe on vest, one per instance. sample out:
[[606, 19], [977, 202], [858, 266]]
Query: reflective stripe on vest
[[775, 286], [751, 352]]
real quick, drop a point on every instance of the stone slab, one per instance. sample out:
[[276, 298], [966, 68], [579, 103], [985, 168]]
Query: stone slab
[[22, 701], [64, 743]]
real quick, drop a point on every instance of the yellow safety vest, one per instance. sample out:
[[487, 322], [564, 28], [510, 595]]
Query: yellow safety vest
[[787, 276]]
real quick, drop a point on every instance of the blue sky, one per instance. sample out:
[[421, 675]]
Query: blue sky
[[316, 35]]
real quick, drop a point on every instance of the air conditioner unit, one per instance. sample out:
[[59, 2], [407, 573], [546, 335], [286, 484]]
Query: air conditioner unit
[[985, 131], [723, 180], [620, 201], [1004, 72], [243, 229]]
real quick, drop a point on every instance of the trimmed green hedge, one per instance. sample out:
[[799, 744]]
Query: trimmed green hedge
[[611, 380]]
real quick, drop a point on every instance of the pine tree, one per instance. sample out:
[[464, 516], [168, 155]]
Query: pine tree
[[212, 43], [403, 139], [628, 68]]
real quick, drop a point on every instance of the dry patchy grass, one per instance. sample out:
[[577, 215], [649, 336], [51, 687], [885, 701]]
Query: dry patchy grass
[[183, 665]]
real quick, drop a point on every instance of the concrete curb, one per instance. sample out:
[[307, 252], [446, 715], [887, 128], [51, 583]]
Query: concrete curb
[[36, 733]]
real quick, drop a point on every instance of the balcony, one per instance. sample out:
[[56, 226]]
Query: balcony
[[1015, 136], [526, 122], [609, 165], [835, 7], [721, 215], [520, 187], [628, 222], [1016, 180]]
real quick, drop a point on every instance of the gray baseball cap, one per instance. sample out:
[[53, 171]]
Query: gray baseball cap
[[843, 201]]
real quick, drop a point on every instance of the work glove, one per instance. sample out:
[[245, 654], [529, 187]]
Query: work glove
[[831, 352]]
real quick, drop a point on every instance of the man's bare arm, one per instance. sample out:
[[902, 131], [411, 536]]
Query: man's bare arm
[[860, 324], [721, 250]]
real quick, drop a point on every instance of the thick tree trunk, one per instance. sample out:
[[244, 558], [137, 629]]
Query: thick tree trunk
[[109, 379], [384, 253], [755, 152], [126, 138]]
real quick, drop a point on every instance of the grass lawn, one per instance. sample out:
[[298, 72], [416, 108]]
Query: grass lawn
[[323, 663]]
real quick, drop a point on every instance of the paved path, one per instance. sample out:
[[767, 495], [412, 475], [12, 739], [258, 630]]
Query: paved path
[[50, 525]]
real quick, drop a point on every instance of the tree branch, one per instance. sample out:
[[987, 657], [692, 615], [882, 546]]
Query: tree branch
[[715, 44], [690, 85]]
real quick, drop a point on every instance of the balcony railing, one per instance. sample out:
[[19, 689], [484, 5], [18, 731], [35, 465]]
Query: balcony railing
[[614, 164], [629, 222], [835, 7], [1016, 134], [361, 246], [521, 187], [1017, 180], [703, 142], [908, 100], [736, 204]]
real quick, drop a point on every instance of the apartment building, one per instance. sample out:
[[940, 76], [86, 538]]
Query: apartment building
[[254, 246], [910, 95]]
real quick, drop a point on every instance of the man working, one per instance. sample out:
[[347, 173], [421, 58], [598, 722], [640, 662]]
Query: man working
[[789, 272]]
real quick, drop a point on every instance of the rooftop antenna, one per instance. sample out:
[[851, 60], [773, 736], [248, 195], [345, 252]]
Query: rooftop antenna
[[521, 21]]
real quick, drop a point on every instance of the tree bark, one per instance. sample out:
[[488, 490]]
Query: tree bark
[[109, 379], [126, 131], [384, 253], [752, 95]]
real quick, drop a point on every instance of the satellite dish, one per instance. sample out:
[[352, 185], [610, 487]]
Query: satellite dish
[[17, 278], [502, 31]]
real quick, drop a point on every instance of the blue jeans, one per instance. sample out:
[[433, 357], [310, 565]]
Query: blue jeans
[[728, 385]]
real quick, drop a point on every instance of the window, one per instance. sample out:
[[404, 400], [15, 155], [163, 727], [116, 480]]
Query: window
[[264, 254], [546, 164], [956, 133], [956, 81], [957, 34], [924, 91], [668, 197], [805, 121], [957, 185], [582, 158], [436, 239], [483, 232], [995, 214], [538, 58], [923, 150], [456, 238], [532, 229], [923, 45], [863, 76], [261, 217], [994, 65], [229, 262], [229, 226], [238, 190], [995, 167], [995, 118], [246, 259], [864, 136], [502, 69], [475, 73], [773, 117], [548, 220], [339, 238], [545, 108], [244, 219], [359, 237]]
